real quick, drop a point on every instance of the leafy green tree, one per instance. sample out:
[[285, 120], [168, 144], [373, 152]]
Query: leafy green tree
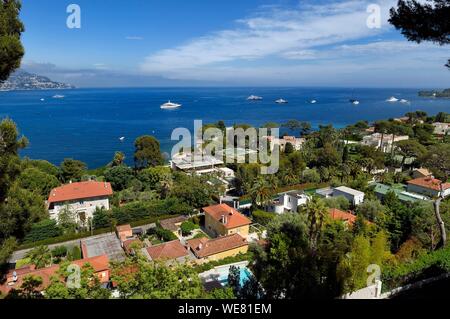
[[147, 152], [10, 145], [72, 170], [422, 21], [22, 209], [119, 159], [410, 148], [42, 230], [136, 278], [225, 293], [119, 176], [288, 248], [67, 220], [289, 148], [11, 28], [30, 289], [339, 202], [352, 269], [37, 181], [437, 159], [262, 217], [372, 210], [40, 256], [90, 286], [187, 228], [192, 190], [234, 279], [43, 166]]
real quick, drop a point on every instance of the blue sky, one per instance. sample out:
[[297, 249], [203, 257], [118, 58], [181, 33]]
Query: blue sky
[[225, 43]]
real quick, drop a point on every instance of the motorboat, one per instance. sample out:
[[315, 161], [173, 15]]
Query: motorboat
[[169, 105], [392, 99]]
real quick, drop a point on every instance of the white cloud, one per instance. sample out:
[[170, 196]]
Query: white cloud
[[272, 32]]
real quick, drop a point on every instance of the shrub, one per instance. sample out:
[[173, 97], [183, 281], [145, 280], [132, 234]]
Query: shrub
[[426, 266], [43, 230], [75, 254], [164, 234], [59, 251], [262, 217], [187, 227], [23, 262]]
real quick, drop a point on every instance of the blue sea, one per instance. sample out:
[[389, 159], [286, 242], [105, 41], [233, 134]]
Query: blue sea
[[88, 123]]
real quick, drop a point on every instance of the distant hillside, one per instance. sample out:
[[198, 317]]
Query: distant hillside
[[21, 80], [445, 93]]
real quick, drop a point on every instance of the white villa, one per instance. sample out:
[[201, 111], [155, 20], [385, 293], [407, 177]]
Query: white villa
[[81, 198], [429, 186], [288, 201], [375, 141], [441, 129], [352, 195]]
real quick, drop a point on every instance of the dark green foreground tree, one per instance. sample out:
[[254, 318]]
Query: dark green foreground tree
[[419, 21], [11, 49]]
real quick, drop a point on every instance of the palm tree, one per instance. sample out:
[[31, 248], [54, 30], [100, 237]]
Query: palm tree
[[40, 256], [261, 193], [316, 211]]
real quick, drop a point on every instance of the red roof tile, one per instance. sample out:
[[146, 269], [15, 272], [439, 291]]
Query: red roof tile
[[338, 214], [170, 250], [430, 183], [99, 264], [80, 190], [233, 217], [203, 247]]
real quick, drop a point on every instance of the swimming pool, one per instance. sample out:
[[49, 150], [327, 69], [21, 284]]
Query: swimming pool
[[245, 275]]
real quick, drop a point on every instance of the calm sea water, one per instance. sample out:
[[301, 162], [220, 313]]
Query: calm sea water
[[88, 123]]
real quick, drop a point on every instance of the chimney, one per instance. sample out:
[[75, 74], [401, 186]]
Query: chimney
[[222, 219], [200, 246]]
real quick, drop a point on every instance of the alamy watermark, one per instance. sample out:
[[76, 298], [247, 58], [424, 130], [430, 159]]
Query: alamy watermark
[[74, 19]]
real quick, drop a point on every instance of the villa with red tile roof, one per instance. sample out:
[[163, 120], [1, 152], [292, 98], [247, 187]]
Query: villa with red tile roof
[[82, 198], [429, 186], [223, 220], [170, 251], [218, 248], [14, 278]]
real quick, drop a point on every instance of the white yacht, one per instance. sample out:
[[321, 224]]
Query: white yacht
[[42, 100], [57, 96], [122, 138], [392, 99], [254, 98], [404, 101], [169, 105], [281, 101], [354, 102], [313, 101]]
